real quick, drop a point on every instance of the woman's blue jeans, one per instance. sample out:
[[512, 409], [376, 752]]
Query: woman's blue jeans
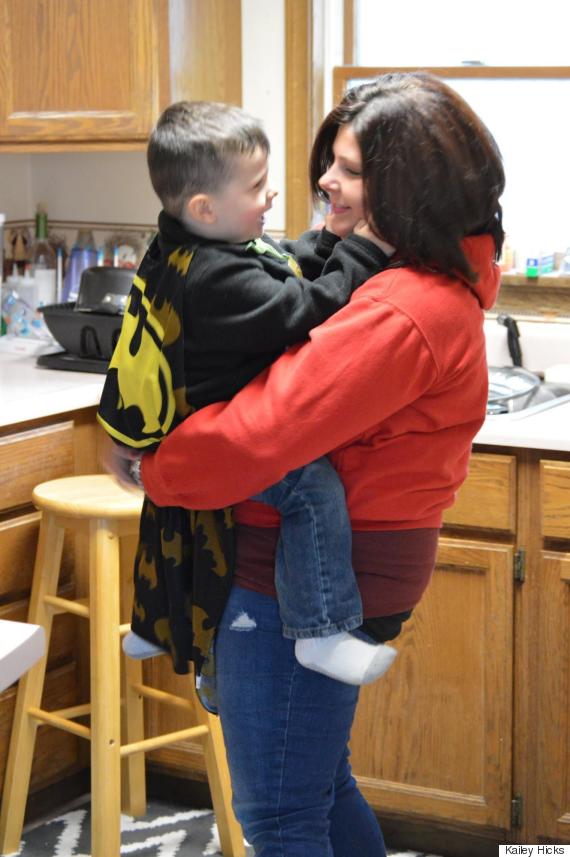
[[286, 730]]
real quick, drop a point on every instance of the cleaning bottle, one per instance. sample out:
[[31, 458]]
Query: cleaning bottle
[[83, 255]]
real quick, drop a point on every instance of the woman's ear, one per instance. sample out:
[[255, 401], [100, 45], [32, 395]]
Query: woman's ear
[[201, 209]]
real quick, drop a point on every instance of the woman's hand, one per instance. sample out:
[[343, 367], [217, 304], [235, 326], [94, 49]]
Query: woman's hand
[[341, 224], [122, 463]]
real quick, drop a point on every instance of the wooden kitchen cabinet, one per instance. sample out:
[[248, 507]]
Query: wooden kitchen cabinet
[[453, 749], [97, 73], [553, 656], [433, 737], [553, 695]]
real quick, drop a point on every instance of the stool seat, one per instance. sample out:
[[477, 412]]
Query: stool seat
[[97, 496], [104, 516]]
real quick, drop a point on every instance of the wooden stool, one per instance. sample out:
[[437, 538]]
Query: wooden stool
[[99, 507]]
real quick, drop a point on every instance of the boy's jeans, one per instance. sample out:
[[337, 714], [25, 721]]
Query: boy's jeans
[[286, 730], [315, 582]]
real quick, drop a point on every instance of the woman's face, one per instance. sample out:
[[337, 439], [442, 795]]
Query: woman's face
[[342, 182]]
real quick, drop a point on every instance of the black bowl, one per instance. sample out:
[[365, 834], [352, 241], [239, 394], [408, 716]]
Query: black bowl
[[91, 335]]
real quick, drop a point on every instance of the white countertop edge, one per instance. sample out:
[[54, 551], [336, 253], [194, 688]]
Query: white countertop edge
[[29, 392], [549, 430], [49, 405]]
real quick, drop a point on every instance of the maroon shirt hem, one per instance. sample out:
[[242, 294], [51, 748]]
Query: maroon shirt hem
[[393, 567]]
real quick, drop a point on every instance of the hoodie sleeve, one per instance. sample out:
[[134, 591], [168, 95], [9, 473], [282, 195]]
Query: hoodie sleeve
[[241, 306], [311, 250], [316, 397]]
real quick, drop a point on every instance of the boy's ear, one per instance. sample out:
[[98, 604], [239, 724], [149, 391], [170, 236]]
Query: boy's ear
[[200, 208]]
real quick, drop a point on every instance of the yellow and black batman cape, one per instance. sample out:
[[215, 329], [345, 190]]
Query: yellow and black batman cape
[[184, 558]]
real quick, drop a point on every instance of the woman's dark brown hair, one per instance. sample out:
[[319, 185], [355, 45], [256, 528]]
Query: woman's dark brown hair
[[432, 172]]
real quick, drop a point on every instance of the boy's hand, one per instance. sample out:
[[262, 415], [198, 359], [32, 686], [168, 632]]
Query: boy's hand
[[118, 461], [362, 228]]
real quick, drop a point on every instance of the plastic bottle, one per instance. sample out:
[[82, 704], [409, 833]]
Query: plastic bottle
[[507, 260], [2, 221], [83, 255], [21, 318]]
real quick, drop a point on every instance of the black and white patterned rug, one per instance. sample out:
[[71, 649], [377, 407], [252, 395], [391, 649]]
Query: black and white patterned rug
[[165, 831]]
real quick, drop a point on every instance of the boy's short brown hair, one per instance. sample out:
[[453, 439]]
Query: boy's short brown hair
[[432, 172], [192, 149]]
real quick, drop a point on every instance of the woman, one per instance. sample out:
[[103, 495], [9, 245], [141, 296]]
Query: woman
[[394, 388]]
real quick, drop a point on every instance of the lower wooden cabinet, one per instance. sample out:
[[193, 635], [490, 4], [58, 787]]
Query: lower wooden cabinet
[[419, 733], [553, 699], [555, 499]]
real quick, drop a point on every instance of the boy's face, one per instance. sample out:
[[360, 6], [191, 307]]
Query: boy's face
[[240, 206]]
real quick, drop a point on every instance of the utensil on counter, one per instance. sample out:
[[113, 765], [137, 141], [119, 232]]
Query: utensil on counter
[[513, 337]]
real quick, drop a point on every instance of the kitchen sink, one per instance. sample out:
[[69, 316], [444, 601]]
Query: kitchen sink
[[510, 398]]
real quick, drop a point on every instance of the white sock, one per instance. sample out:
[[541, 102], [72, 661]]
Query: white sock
[[138, 648], [345, 657]]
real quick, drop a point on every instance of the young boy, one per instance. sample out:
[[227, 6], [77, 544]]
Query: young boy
[[214, 303]]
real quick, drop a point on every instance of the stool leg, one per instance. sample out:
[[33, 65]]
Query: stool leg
[[104, 586], [231, 834], [133, 785], [20, 756]]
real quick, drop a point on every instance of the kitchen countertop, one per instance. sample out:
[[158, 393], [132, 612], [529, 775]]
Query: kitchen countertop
[[549, 429], [28, 392]]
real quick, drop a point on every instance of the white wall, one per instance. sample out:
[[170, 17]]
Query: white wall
[[97, 187], [263, 70], [15, 186]]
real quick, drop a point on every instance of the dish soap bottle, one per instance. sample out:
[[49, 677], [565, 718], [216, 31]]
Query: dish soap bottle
[[83, 255], [42, 258], [42, 254]]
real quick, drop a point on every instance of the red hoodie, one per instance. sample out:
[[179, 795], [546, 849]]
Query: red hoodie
[[393, 386]]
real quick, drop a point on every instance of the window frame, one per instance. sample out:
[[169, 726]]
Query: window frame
[[344, 73]]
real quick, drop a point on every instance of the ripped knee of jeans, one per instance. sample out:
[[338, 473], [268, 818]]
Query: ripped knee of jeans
[[243, 622]]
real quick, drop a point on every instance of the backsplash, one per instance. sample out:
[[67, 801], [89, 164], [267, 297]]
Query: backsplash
[[123, 244], [128, 240], [543, 344]]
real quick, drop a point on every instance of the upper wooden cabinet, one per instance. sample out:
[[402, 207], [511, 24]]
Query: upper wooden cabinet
[[98, 72]]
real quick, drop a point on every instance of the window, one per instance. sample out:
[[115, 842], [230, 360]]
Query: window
[[451, 32], [529, 118]]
